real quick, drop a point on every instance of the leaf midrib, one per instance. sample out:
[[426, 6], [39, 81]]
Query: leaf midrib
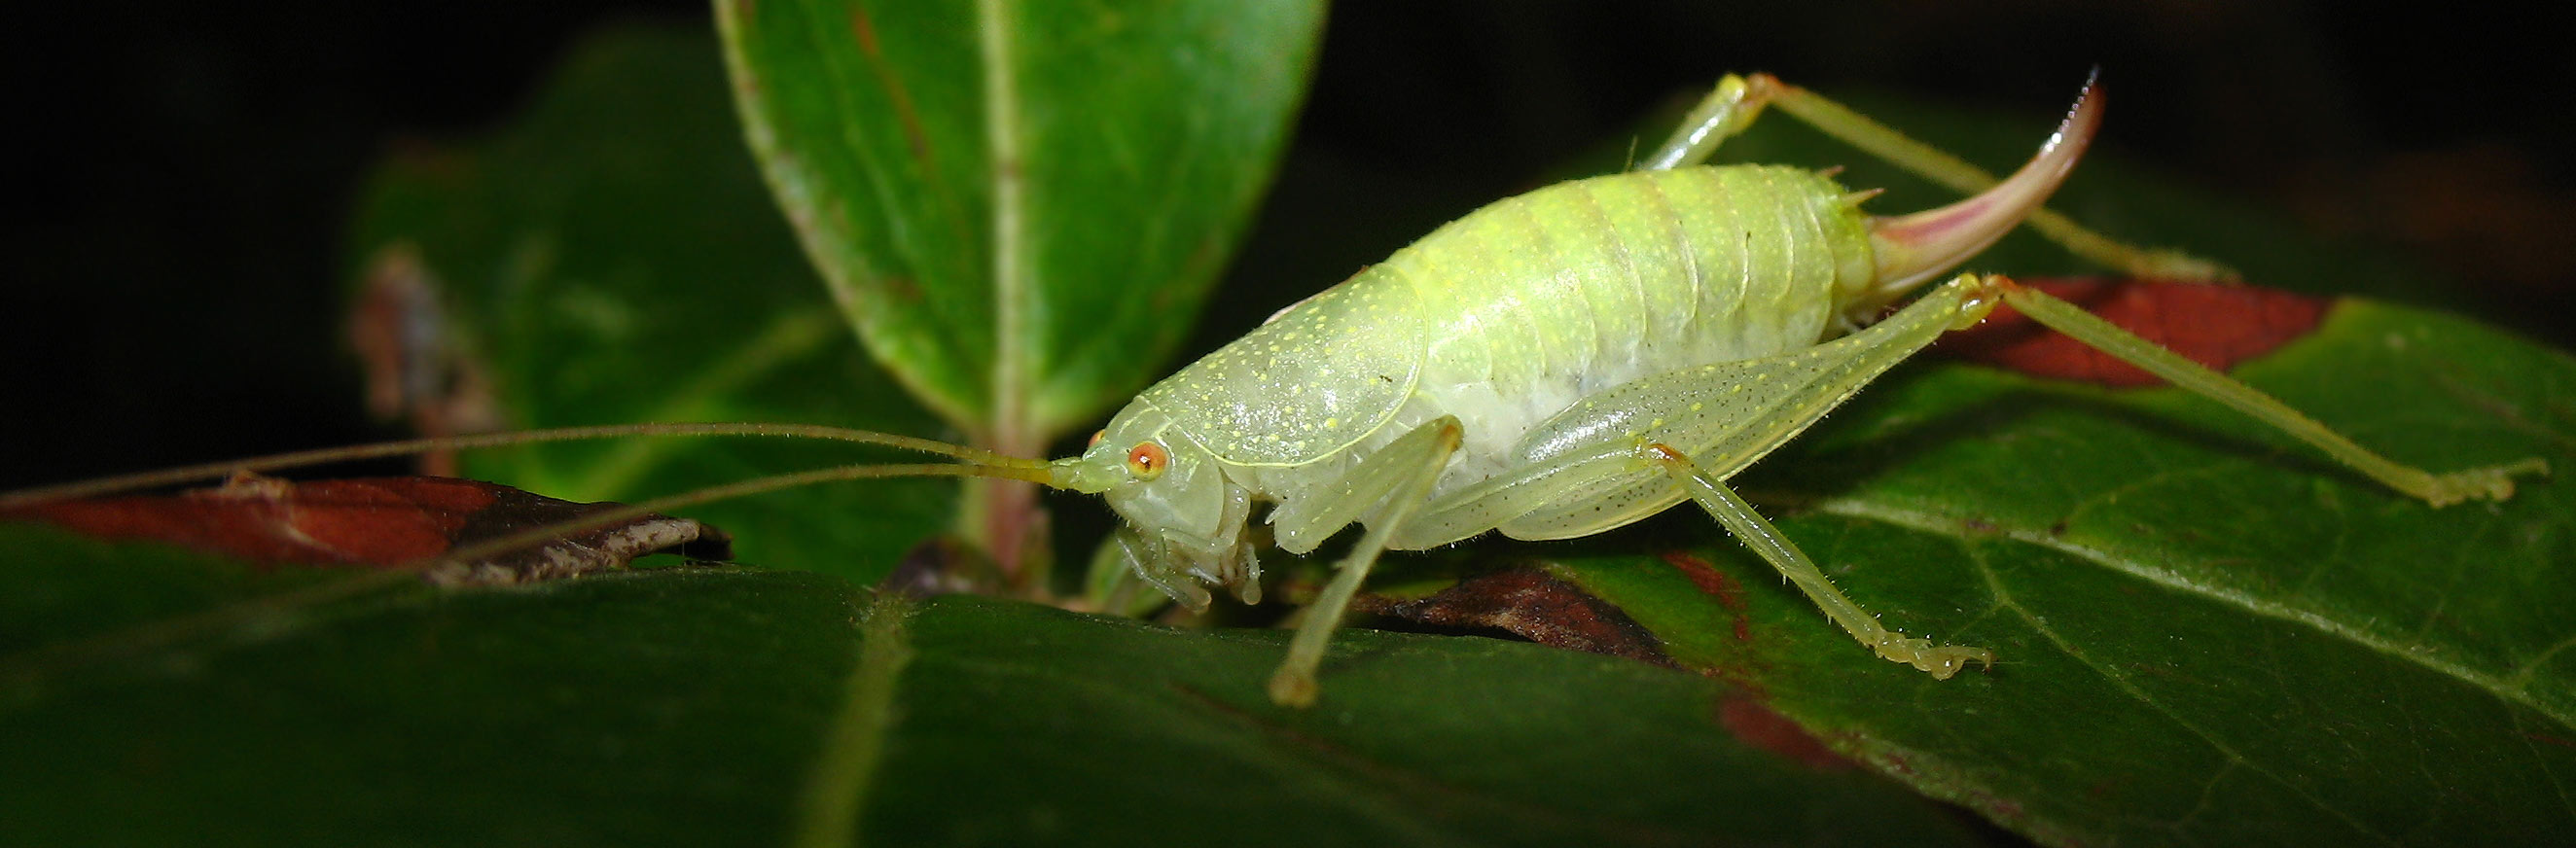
[[836, 790], [1010, 430]]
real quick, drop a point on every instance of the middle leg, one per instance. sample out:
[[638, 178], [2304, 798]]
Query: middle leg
[[1731, 510]]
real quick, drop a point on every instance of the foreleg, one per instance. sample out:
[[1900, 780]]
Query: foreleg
[[1412, 463]]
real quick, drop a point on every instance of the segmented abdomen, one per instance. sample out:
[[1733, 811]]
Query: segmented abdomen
[[1535, 302], [1528, 304]]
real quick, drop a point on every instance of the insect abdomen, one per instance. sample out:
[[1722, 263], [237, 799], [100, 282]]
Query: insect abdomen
[[1524, 306], [1534, 302], [1735, 262]]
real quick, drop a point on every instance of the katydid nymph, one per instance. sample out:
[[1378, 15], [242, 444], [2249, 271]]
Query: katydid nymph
[[1572, 360]]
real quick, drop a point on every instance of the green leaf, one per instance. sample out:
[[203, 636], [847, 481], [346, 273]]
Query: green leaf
[[733, 707], [1019, 205], [2204, 631], [612, 258]]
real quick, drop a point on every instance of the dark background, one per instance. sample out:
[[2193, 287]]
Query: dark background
[[173, 264]]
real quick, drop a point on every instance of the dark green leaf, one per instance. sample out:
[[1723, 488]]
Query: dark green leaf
[[715, 706], [2204, 631], [1020, 206]]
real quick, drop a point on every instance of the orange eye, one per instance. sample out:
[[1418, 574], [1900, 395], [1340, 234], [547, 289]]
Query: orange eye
[[1147, 460]]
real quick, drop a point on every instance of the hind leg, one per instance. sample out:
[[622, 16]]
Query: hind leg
[[2493, 482], [1738, 100]]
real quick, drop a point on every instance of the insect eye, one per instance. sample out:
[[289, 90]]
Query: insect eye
[[1147, 460]]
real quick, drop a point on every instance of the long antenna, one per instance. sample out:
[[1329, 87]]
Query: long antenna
[[233, 615], [759, 485], [211, 470]]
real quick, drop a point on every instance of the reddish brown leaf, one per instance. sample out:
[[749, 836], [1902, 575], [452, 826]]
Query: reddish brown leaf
[[1716, 585], [2214, 325], [383, 522], [1535, 606], [1767, 729]]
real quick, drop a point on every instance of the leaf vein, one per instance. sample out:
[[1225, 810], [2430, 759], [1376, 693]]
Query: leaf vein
[[2501, 687], [2004, 597], [836, 790]]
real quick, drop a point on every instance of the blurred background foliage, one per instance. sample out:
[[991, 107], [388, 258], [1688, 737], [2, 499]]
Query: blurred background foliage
[[186, 171]]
